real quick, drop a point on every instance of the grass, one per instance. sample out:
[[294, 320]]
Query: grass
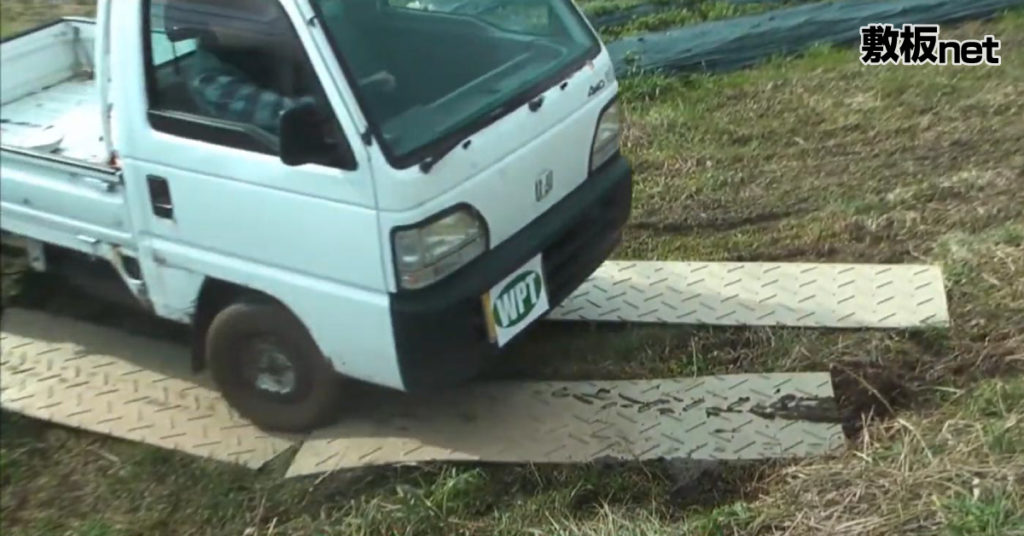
[[20, 15], [666, 14], [814, 159]]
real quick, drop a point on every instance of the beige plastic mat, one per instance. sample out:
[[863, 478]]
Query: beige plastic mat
[[751, 416], [761, 294], [106, 381]]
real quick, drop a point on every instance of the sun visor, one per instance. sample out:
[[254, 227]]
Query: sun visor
[[190, 19]]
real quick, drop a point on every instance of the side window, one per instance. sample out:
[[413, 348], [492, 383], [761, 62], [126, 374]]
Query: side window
[[224, 71]]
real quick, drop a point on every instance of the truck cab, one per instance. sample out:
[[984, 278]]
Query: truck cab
[[381, 190]]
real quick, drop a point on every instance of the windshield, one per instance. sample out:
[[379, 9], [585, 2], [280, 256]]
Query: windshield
[[427, 72]]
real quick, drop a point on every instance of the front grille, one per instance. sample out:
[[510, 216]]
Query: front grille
[[581, 248]]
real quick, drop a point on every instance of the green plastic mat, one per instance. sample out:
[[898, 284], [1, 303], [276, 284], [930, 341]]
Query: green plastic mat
[[731, 44]]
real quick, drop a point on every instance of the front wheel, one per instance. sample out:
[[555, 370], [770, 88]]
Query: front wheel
[[270, 370]]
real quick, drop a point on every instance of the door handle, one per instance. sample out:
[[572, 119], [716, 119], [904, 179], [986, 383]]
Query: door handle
[[160, 197]]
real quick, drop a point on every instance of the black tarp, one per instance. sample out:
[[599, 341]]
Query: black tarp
[[730, 44]]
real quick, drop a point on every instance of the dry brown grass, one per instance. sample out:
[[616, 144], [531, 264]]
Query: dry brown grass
[[959, 470], [19, 15]]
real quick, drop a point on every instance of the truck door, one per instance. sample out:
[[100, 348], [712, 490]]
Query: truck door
[[200, 152]]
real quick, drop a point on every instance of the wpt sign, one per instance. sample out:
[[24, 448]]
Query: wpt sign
[[517, 301]]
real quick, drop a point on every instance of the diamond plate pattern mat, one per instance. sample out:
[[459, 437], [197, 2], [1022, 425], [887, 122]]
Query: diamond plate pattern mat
[[761, 294], [105, 381], [721, 417]]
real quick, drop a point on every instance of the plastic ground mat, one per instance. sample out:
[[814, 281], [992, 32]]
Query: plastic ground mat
[[761, 294], [732, 417]]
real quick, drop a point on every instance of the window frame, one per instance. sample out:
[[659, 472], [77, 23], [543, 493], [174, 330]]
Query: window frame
[[226, 133], [416, 157]]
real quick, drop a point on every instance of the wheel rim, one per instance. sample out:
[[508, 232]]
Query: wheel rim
[[269, 370]]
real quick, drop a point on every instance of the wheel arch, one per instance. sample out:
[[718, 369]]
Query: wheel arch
[[214, 296]]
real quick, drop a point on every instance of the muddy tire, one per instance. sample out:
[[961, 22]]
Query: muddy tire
[[270, 370]]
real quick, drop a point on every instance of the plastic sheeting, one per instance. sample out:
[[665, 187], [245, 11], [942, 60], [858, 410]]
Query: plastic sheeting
[[734, 43]]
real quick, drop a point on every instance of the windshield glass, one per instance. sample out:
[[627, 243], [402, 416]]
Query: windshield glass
[[429, 71]]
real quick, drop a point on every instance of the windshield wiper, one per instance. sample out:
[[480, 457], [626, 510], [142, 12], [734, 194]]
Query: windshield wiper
[[431, 160]]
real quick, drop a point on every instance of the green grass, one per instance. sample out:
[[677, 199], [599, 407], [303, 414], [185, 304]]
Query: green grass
[[814, 159], [683, 13], [675, 13], [994, 515]]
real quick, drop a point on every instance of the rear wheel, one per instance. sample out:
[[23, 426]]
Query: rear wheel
[[270, 370]]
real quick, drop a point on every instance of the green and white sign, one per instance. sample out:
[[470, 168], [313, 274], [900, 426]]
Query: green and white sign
[[518, 300]]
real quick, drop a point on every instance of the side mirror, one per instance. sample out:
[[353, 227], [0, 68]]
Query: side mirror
[[302, 137]]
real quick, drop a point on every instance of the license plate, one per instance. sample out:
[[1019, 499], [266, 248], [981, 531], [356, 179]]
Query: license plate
[[516, 301]]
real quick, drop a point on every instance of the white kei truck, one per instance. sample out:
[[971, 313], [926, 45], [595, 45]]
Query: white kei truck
[[323, 190]]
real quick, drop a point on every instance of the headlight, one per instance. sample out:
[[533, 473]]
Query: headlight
[[429, 252], [606, 139]]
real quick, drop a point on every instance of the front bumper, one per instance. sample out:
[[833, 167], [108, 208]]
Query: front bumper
[[440, 331]]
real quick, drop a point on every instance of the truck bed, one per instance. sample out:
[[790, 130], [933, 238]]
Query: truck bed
[[48, 95], [66, 113]]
